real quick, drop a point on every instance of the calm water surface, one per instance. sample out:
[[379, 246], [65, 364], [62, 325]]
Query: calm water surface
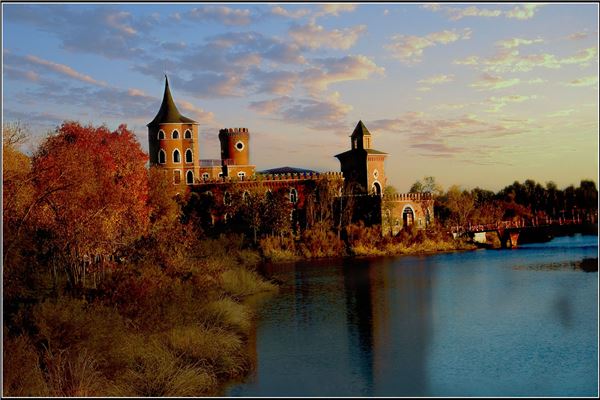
[[483, 323]]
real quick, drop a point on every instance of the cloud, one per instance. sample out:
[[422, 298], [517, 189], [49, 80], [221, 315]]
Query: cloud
[[409, 49], [585, 81], [326, 71], [523, 11], [284, 12], [314, 36], [15, 73], [498, 103], [516, 42], [437, 79], [561, 113], [102, 30], [334, 9], [274, 82], [579, 35], [221, 14], [472, 11], [491, 82], [64, 70], [327, 112], [439, 137], [511, 60]]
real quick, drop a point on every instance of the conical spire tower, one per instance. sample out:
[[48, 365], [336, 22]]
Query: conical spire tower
[[168, 112]]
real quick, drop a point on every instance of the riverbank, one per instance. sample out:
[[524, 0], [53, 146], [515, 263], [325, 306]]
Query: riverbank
[[148, 330]]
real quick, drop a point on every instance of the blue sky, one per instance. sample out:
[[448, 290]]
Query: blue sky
[[472, 94]]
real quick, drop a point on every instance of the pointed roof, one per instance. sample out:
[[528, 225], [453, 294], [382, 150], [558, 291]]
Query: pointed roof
[[360, 130], [168, 111]]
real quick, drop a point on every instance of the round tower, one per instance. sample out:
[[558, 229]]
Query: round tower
[[171, 141], [235, 146]]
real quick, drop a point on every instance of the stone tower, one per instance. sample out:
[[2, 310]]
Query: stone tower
[[235, 152], [172, 141], [362, 166]]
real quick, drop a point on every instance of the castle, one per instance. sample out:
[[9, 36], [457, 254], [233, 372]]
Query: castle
[[174, 145]]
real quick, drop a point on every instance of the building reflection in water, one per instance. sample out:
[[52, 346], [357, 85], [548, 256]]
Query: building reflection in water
[[389, 324]]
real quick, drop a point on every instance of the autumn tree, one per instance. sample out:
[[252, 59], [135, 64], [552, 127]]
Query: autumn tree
[[461, 204], [95, 194], [427, 185]]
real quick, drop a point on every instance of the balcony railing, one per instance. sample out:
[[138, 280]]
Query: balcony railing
[[215, 162]]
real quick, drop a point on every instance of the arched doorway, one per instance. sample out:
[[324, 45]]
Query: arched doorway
[[408, 216]]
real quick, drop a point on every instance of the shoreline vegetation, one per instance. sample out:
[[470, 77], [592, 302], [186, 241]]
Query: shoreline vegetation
[[116, 285]]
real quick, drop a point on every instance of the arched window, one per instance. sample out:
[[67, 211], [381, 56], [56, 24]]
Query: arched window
[[177, 177], [176, 156], [189, 177], [187, 134], [227, 198], [246, 196], [175, 134], [205, 176], [241, 175], [408, 216], [376, 188], [162, 156], [188, 156], [293, 196], [161, 134]]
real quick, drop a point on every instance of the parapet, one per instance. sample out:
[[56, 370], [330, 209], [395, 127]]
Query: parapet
[[233, 130], [408, 197]]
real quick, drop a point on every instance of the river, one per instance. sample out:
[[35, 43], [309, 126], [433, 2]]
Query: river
[[520, 322]]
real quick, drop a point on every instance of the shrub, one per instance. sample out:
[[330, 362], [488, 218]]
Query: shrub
[[226, 313], [22, 375], [216, 349], [276, 248], [73, 375], [158, 372], [320, 241], [240, 282]]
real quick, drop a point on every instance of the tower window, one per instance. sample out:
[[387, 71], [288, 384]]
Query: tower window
[[161, 134], [176, 156], [187, 134], [241, 175], [239, 146], [162, 156], [188, 156], [205, 176], [293, 196], [189, 177], [175, 134]]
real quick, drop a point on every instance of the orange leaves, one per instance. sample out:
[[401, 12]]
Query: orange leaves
[[93, 187]]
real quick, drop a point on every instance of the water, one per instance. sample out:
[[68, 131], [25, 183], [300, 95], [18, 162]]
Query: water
[[516, 322]]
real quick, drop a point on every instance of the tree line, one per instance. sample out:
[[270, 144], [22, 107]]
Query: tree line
[[530, 199]]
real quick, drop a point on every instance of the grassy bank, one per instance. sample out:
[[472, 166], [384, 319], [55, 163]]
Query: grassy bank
[[146, 331], [359, 240]]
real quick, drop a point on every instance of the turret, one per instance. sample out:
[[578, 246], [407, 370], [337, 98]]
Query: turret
[[172, 140], [235, 146]]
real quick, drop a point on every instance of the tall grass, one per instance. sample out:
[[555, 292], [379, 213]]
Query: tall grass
[[240, 282], [228, 314]]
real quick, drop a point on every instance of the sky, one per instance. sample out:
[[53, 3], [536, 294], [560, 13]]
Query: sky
[[475, 94]]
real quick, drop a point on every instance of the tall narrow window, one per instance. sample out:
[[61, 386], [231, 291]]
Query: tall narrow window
[[189, 177], [187, 134], [161, 134], [205, 176], [162, 156], [293, 196], [227, 199], [188, 156], [175, 134], [176, 156]]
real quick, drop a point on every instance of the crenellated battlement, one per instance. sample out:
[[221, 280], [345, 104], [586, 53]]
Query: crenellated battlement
[[233, 130], [408, 197], [300, 176]]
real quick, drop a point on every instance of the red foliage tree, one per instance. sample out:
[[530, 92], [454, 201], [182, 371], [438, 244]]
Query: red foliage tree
[[95, 190]]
